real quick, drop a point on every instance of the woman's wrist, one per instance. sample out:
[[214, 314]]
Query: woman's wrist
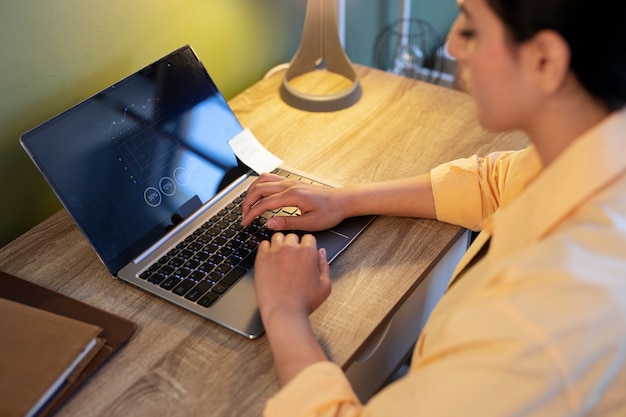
[[280, 315], [292, 341], [346, 201]]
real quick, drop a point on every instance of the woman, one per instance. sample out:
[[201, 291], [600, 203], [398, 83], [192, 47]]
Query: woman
[[534, 322]]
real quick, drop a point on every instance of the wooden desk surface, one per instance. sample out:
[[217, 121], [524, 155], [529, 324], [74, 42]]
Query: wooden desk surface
[[180, 364]]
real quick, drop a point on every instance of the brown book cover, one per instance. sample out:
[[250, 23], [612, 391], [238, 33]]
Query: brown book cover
[[41, 352], [116, 330]]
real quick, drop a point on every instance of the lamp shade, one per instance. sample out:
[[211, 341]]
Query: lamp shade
[[320, 50]]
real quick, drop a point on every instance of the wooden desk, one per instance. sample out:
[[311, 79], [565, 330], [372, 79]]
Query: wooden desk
[[180, 364]]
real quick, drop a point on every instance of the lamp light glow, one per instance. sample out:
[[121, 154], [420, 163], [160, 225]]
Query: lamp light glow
[[320, 50]]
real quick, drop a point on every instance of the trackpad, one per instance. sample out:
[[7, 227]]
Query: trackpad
[[333, 242]]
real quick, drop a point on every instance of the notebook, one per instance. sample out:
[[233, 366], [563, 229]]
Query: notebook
[[144, 168], [41, 352], [116, 330]]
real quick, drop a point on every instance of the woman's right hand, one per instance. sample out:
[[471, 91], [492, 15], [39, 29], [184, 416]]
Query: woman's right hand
[[320, 207]]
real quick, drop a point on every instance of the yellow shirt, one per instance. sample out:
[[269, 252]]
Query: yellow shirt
[[538, 326]]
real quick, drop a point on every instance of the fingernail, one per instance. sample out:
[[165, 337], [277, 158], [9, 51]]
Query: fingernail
[[323, 252], [272, 223]]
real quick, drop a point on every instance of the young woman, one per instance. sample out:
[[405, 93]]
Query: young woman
[[536, 325]]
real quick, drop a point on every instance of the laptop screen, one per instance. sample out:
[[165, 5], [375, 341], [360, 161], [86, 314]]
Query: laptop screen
[[136, 159]]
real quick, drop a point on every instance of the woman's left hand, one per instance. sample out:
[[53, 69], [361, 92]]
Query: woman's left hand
[[291, 275]]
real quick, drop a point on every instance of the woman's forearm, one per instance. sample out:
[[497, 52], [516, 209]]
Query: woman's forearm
[[410, 197]]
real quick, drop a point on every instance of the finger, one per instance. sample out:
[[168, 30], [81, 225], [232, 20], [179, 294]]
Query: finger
[[264, 198], [287, 223], [292, 239], [263, 204], [259, 188], [324, 276], [323, 265], [277, 238], [309, 240], [263, 247]]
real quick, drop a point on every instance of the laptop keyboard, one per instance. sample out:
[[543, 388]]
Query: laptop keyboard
[[209, 261]]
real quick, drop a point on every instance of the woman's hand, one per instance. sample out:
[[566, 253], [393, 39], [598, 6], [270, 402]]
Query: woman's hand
[[292, 278], [291, 275], [320, 207]]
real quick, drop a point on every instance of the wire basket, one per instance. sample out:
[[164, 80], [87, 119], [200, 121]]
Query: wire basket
[[410, 47]]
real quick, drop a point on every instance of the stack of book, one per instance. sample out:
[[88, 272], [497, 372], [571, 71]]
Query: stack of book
[[51, 344]]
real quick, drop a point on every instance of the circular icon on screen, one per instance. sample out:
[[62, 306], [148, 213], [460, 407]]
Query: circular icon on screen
[[152, 196], [167, 186], [194, 166], [181, 176]]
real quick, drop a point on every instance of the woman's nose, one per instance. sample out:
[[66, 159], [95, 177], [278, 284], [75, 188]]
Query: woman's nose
[[454, 42]]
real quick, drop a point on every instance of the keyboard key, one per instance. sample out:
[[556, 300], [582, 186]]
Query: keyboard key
[[208, 299], [204, 239], [241, 252], [186, 254], [225, 251], [223, 268], [289, 211], [157, 278], [192, 264], [182, 288], [220, 288], [197, 276], [195, 246], [214, 276], [215, 259], [232, 217], [232, 260], [182, 272], [232, 277], [220, 241], [167, 270], [170, 283], [199, 290], [248, 261], [176, 262]]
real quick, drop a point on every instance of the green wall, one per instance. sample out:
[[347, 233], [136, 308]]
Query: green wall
[[365, 19], [55, 53]]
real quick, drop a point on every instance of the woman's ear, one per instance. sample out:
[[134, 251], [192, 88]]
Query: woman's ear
[[549, 60]]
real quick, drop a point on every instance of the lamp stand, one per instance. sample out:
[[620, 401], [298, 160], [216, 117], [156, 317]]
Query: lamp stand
[[320, 49]]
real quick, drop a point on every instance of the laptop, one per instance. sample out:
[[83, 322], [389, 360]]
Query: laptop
[[145, 170]]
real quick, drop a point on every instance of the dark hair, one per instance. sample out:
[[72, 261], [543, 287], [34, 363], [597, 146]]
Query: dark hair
[[593, 30]]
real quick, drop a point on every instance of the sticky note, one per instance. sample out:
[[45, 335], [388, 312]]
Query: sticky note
[[250, 151]]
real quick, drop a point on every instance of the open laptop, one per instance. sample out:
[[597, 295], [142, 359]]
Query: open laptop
[[145, 170]]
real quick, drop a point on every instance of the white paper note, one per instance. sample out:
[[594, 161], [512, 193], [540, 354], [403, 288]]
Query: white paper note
[[253, 154]]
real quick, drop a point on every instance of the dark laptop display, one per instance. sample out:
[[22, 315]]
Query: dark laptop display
[[140, 156], [145, 170]]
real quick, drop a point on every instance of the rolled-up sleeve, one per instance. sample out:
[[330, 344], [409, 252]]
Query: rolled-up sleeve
[[321, 390], [468, 191]]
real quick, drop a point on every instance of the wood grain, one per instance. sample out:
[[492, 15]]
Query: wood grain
[[180, 364]]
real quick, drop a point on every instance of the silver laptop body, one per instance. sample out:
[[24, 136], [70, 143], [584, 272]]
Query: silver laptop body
[[144, 169]]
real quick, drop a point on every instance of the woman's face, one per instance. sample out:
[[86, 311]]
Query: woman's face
[[492, 67]]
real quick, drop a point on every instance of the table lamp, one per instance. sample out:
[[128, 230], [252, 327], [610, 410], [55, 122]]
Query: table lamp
[[320, 52]]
